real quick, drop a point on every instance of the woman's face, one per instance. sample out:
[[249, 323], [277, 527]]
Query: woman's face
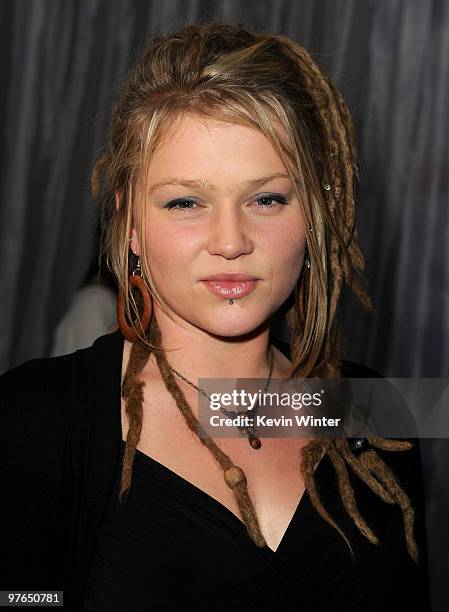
[[219, 201]]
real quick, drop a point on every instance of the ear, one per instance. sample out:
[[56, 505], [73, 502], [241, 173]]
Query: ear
[[134, 241]]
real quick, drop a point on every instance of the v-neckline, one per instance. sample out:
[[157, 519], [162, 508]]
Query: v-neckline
[[232, 518], [227, 514]]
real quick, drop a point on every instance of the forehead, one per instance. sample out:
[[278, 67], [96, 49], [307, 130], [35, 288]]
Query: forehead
[[196, 144]]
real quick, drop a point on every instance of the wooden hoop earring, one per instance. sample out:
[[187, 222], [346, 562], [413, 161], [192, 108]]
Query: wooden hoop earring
[[127, 330]]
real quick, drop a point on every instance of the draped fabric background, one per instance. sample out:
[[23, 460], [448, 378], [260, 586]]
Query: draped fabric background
[[62, 63]]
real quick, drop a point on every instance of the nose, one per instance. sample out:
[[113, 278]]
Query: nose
[[229, 234]]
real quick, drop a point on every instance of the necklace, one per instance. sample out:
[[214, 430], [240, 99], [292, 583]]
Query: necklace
[[248, 430]]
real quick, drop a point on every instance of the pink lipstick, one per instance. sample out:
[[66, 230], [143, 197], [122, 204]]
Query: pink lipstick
[[231, 286]]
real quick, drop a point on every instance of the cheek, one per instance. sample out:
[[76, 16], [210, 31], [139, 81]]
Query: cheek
[[169, 251], [284, 247]]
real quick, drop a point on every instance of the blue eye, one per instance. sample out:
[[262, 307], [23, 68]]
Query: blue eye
[[178, 202], [266, 199]]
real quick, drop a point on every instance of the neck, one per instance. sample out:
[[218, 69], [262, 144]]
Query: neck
[[193, 351]]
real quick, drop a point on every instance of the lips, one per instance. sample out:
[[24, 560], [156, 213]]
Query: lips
[[230, 277], [231, 288]]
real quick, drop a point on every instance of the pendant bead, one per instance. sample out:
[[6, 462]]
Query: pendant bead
[[255, 443], [233, 475]]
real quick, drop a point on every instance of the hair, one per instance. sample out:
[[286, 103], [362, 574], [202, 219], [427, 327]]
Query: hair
[[227, 72]]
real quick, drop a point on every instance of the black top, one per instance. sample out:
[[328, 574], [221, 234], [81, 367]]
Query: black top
[[172, 546]]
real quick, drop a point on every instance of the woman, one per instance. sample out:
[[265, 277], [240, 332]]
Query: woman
[[227, 194]]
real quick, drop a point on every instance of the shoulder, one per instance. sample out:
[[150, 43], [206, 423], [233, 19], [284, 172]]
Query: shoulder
[[44, 375], [38, 385], [385, 403], [349, 369], [352, 369], [41, 398], [36, 396], [45, 402], [43, 379], [35, 406]]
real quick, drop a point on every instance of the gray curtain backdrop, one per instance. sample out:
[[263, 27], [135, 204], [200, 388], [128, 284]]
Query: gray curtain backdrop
[[62, 63]]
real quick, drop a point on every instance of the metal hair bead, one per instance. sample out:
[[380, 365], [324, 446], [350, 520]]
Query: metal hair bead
[[327, 187], [358, 444]]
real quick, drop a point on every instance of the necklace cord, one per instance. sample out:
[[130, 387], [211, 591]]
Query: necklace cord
[[247, 430]]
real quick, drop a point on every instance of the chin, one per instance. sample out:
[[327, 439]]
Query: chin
[[231, 327]]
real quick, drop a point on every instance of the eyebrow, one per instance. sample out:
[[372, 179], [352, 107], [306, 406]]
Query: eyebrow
[[199, 184]]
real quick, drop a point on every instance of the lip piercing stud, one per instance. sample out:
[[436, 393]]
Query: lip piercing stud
[[231, 301]]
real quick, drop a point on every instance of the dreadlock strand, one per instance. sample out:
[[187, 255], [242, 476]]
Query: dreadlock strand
[[347, 122], [384, 473], [337, 278], [408, 515], [310, 455], [137, 360], [347, 495], [390, 445], [132, 393], [362, 471], [248, 513], [362, 294], [355, 252], [316, 85], [352, 246], [333, 120]]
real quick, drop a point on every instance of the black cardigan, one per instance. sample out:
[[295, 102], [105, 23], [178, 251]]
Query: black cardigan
[[60, 443]]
